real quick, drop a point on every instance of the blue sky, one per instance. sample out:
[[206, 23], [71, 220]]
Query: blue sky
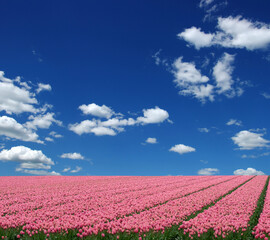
[[134, 88]]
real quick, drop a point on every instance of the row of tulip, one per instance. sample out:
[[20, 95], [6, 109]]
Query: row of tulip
[[55, 204], [124, 206], [230, 214], [70, 189], [262, 230], [172, 212]]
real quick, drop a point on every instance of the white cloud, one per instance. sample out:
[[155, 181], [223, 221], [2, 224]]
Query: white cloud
[[159, 60], [77, 169], [72, 155], [203, 161], [247, 140], [83, 127], [66, 169], [29, 165], [42, 121], [153, 115], [43, 87], [234, 122], [115, 125], [54, 134], [48, 139], [88, 126], [222, 72], [101, 131], [4, 79], [38, 56], [208, 171], [96, 110], [191, 81], [151, 140], [266, 95], [242, 33], [156, 56], [248, 171], [205, 3], [44, 108], [186, 73], [234, 32], [256, 155], [201, 92], [17, 97], [181, 149], [9, 127], [40, 172], [211, 8], [116, 122], [197, 38], [31, 161], [24, 154], [203, 130], [14, 98]]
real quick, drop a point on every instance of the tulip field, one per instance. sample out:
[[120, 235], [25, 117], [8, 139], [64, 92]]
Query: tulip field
[[114, 207]]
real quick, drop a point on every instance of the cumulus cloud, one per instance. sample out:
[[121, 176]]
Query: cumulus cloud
[[181, 149], [24, 154], [42, 121], [222, 73], [196, 37], [247, 140], [55, 134], [83, 127], [186, 73], [101, 131], [117, 123], [72, 155], [242, 33], [43, 87], [153, 115], [96, 110], [48, 139], [208, 171], [88, 126], [190, 81], [234, 32], [40, 172], [15, 97], [66, 169], [248, 171], [151, 140], [29, 165], [9, 127], [203, 130], [113, 126], [234, 122], [77, 169], [31, 161]]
